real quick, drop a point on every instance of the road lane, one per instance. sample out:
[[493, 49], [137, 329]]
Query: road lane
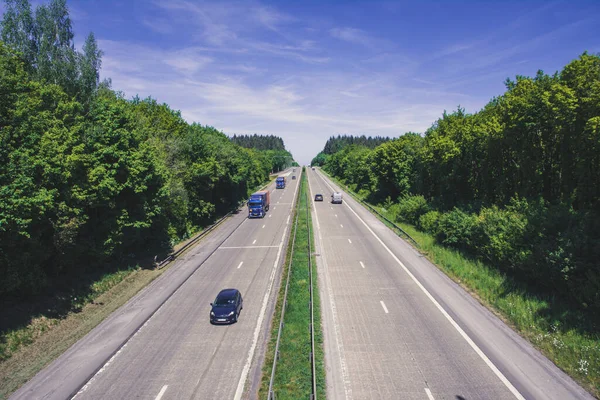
[[414, 350], [179, 348], [177, 353]]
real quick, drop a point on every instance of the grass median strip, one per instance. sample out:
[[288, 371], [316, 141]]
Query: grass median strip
[[567, 336], [293, 376]]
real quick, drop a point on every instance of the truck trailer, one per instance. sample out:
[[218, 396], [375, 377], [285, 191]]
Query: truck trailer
[[280, 182], [258, 204]]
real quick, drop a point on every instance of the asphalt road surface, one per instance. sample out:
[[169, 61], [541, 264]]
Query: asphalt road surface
[[395, 327], [161, 345]]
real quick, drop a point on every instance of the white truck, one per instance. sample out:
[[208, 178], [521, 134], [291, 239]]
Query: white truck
[[336, 198]]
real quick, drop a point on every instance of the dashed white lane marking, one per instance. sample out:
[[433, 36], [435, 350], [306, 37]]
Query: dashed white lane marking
[[261, 316], [384, 307], [239, 266], [341, 225], [429, 394], [336, 327], [274, 207], [462, 333], [254, 241], [162, 391], [349, 241], [245, 247], [264, 226], [336, 215], [270, 215], [361, 264]]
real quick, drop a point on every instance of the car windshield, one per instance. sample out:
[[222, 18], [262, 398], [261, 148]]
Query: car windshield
[[224, 301]]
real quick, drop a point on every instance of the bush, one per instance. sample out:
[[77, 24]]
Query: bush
[[429, 222], [410, 208], [501, 237], [457, 229]]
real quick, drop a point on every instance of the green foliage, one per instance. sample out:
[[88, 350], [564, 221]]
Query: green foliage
[[411, 208], [277, 156], [395, 165], [429, 222], [45, 40], [85, 186], [458, 229], [319, 160], [335, 144]]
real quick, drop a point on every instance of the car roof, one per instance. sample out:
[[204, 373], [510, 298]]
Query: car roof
[[227, 292]]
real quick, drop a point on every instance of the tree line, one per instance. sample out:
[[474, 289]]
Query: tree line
[[516, 184], [272, 145], [89, 179]]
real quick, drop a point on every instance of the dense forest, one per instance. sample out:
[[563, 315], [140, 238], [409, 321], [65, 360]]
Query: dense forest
[[337, 143], [272, 145], [516, 184], [88, 179]]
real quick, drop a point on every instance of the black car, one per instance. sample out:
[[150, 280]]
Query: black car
[[318, 197], [293, 176], [226, 307]]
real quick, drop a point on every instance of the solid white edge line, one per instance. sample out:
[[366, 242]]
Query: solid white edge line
[[336, 328], [240, 387], [361, 264], [474, 346], [429, 395], [288, 220], [239, 266], [384, 307], [162, 391]]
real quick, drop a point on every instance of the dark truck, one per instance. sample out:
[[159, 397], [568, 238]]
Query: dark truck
[[280, 182], [258, 204]]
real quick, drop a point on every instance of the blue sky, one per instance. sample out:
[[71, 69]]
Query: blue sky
[[306, 70]]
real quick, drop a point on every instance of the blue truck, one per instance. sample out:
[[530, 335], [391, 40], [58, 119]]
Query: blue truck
[[280, 182], [258, 204]]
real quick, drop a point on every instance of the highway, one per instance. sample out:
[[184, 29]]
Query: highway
[[395, 327], [161, 345]]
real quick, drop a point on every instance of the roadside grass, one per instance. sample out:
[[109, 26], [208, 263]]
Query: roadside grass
[[293, 374], [30, 348], [12, 340], [567, 336]]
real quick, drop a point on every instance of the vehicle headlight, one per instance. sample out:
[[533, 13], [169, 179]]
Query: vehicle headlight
[[212, 314], [231, 313]]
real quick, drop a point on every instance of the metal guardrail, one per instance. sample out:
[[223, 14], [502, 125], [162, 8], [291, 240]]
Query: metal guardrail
[[193, 241], [373, 209], [200, 235]]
